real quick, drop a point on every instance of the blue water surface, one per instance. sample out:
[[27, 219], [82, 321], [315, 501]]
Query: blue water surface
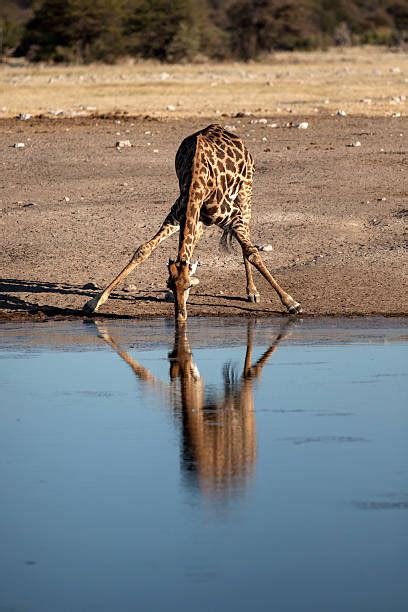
[[232, 465]]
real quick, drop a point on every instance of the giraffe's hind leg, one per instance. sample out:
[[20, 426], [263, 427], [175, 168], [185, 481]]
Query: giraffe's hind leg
[[244, 203], [251, 291], [142, 253], [252, 255]]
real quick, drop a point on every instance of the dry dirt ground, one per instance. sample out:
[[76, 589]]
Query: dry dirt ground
[[74, 208]]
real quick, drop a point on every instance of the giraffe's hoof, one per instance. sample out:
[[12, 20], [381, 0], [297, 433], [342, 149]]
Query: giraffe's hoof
[[254, 298], [295, 308], [90, 307]]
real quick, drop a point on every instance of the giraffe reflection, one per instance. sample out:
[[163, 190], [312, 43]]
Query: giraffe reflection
[[218, 427]]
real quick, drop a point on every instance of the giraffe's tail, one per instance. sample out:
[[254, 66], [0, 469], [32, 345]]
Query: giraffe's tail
[[227, 241]]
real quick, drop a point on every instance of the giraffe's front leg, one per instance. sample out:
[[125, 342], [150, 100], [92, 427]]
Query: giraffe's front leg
[[142, 253]]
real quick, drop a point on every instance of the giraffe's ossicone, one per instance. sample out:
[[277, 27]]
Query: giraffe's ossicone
[[215, 174]]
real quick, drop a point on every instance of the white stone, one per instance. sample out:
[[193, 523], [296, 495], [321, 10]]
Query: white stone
[[24, 116], [123, 143], [341, 113], [19, 145], [302, 126]]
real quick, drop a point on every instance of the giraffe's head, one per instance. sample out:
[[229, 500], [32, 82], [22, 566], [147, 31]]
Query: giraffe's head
[[180, 282]]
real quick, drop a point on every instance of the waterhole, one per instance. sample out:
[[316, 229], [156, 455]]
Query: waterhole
[[225, 465]]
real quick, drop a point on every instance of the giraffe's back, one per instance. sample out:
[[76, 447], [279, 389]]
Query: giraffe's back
[[221, 164]]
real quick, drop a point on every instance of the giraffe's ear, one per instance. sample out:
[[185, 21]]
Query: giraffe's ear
[[193, 267]]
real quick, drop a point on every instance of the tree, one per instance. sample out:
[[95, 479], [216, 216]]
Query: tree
[[172, 30], [13, 16], [263, 25], [74, 30]]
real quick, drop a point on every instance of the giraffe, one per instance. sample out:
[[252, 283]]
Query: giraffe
[[218, 428], [215, 174]]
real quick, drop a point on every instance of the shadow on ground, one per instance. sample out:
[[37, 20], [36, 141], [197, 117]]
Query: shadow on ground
[[12, 303]]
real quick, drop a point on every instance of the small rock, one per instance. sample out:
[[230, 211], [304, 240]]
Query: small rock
[[396, 115], [131, 288], [19, 145], [381, 199], [354, 144], [24, 116], [265, 247], [170, 107], [302, 126], [341, 113], [66, 199], [123, 143], [155, 150], [272, 125], [263, 121], [90, 286]]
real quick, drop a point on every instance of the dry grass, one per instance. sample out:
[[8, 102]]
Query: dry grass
[[368, 81]]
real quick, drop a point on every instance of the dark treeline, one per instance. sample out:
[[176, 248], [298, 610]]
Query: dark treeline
[[190, 30]]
